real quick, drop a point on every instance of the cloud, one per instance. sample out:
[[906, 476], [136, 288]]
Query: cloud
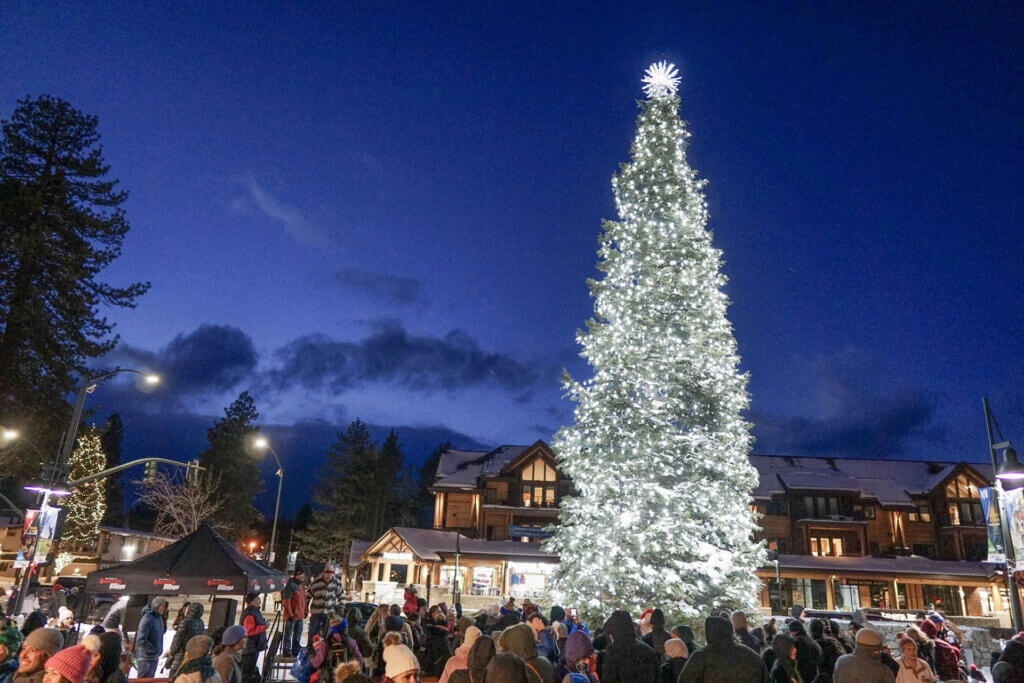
[[294, 221], [860, 417], [383, 288], [211, 359], [389, 354]]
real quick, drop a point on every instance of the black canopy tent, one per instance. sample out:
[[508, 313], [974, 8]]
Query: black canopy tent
[[202, 563]]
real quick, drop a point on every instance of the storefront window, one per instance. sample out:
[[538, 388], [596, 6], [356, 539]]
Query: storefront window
[[448, 576], [399, 573], [529, 579], [810, 593], [945, 599]]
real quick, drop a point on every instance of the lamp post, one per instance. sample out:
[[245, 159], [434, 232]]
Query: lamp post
[[59, 474], [1012, 472], [261, 443]]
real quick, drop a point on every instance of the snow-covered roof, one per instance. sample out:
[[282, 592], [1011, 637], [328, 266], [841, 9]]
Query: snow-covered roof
[[911, 564], [427, 544], [890, 482], [463, 469]]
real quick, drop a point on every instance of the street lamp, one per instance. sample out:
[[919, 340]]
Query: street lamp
[[261, 443], [1012, 473]]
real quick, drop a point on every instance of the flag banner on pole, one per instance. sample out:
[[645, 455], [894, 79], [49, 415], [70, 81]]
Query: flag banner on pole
[[996, 549], [1013, 504]]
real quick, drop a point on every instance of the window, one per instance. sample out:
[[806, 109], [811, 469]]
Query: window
[[922, 514], [964, 513], [869, 511], [537, 491], [810, 593], [779, 545], [538, 470], [962, 487], [827, 546], [820, 507], [491, 495], [942, 598], [776, 508]]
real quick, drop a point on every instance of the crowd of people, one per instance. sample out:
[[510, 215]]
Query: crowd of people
[[507, 643]]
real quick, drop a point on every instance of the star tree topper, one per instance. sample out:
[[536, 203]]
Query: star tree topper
[[661, 79]]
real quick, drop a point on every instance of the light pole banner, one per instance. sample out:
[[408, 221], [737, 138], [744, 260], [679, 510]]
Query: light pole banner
[[1014, 504], [996, 550]]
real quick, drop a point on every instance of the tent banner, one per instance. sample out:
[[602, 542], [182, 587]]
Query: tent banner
[[996, 550]]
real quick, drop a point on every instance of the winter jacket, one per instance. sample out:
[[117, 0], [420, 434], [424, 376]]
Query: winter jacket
[[459, 660], [863, 666], [546, 645], [149, 637], [577, 647], [918, 672], [808, 652], [411, 603], [197, 677], [831, 649], [229, 665], [1010, 667], [626, 659], [437, 649], [783, 669], [326, 594], [747, 638], [722, 659], [294, 606], [480, 656], [518, 640], [115, 617], [191, 625], [7, 669], [656, 639], [255, 629], [671, 669], [356, 633], [35, 677]]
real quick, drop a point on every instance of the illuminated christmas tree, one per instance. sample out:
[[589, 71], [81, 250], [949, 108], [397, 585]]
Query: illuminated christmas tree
[[87, 503], [658, 449]]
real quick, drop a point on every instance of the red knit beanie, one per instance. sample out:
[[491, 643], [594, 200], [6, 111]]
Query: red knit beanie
[[73, 662]]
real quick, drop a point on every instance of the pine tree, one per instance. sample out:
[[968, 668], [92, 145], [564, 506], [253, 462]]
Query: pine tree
[[230, 464], [423, 499], [658, 451], [111, 441], [61, 224], [87, 503]]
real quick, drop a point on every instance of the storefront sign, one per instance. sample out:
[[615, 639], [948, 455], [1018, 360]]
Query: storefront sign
[[996, 550], [517, 530], [400, 557]]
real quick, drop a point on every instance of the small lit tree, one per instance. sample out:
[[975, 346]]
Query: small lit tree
[[87, 503]]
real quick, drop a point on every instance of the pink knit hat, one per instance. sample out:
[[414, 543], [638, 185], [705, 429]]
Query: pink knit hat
[[73, 662]]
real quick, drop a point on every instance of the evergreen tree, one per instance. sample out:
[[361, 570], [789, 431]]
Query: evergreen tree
[[230, 464], [390, 485], [343, 501], [658, 449], [61, 224], [111, 440], [87, 503]]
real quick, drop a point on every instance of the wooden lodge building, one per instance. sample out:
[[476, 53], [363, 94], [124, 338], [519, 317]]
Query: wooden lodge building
[[899, 535]]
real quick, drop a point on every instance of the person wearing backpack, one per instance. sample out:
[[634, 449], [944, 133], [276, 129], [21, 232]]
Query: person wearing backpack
[[337, 648]]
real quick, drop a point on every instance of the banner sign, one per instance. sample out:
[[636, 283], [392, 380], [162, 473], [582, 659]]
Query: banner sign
[[36, 536], [996, 549], [1013, 502], [517, 530]]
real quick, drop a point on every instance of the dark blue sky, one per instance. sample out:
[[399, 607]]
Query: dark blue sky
[[390, 213]]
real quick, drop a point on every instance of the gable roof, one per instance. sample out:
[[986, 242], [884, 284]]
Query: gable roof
[[427, 544], [890, 482], [463, 469]]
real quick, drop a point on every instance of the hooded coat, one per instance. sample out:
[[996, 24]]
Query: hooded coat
[[783, 668], [1010, 667], [656, 637], [149, 636], [191, 625], [577, 647], [722, 659], [356, 633], [518, 640], [626, 659], [480, 656], [808, 652], [831, 649], [863, 666], [685, 634], [437, 650], [741, 628], [507, 668]]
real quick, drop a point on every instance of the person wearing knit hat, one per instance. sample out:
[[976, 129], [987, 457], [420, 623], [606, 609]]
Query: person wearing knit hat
[[10, 643], [39, 646], [460, 660], [865, 664], [401, 665], [227, 659], [71, 664]]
